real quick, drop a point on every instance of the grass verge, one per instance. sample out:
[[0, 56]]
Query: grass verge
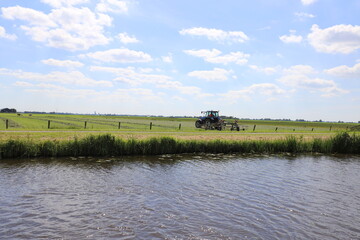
[[108, 145]]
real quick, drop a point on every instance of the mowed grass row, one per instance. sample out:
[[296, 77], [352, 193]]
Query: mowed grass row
[[88, 122], [96, 122], [109, 146]]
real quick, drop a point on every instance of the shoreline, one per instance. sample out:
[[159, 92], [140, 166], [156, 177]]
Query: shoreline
[[107, 145]]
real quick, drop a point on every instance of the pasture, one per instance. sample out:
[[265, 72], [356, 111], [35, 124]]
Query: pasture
[[66, 127]]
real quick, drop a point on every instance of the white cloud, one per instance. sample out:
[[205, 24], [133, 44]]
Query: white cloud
[[302, 15], [66, 28], [23, 84], [125, 38], [301, 76], [167, 59], [121, 55], [299, 70], [343, 39], [64, 3], [215, 75], [148, 70], [132, 76], [266, 70], [203, 53], [270, 90], [214, 56], [55, 91], [114, 6], [62, 63], [328, 88], [5, 35], [133, 95], [135, 77], [292, 38], [33, 17], [308, 2], [345, 71], [217, 35], [69, 78], [233, 57]]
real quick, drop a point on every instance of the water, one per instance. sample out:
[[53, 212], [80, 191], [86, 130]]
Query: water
[[181, 197]]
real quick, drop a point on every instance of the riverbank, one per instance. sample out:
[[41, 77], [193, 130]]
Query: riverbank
[[109, 145]]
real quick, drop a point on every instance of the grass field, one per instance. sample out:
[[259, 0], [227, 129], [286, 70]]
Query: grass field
[[43, 135], [66, 127]]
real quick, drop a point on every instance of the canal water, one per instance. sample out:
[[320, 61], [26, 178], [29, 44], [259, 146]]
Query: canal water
[[181, 197]]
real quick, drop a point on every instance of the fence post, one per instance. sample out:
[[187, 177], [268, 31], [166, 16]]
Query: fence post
[[330, 128], [7, 123], [312, 129], [119, 125], [179, 126], [254, 128], [48, 124], [150, 125], [276, 129], [85, 124]]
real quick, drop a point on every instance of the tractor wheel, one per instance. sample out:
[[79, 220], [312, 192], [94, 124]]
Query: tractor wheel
[[207, 124], [198, 124]]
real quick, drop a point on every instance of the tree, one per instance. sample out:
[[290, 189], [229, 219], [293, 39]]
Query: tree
[[8, 110]]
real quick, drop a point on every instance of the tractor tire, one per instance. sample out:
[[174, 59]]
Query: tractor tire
[[207, 124], [198, 124]]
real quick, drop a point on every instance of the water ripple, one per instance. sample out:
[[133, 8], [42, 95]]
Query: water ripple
[[211, 196]]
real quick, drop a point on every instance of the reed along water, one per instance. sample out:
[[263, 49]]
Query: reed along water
[[181, 197]]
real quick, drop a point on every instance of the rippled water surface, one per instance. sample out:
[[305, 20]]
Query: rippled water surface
[[181, 197]]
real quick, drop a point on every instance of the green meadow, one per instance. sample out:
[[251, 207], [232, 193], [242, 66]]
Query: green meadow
[[55, 135], [42, 127], [51, 122]]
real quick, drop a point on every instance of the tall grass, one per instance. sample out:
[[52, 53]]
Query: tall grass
[[108, 145]]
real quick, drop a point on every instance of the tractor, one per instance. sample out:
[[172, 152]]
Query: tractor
[[210, 120]]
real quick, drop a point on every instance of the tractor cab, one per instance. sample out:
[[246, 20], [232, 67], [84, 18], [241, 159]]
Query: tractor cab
[[210, 114]]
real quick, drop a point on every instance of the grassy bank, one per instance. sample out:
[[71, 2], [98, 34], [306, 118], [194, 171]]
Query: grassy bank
[[108, 145]]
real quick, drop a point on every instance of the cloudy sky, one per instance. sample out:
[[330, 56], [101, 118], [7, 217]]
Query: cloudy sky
[[250, 59]]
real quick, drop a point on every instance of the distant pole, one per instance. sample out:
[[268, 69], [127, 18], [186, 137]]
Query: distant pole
[[150, 125], [254, 128], [179, 126], [7, 123], [48, 124], [85, 124], [119, 125]]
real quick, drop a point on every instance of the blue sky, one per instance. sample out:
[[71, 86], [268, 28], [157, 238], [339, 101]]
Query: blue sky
[[297, 59]]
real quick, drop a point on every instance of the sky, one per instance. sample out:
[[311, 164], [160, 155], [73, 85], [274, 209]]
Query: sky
[[280, 59]]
